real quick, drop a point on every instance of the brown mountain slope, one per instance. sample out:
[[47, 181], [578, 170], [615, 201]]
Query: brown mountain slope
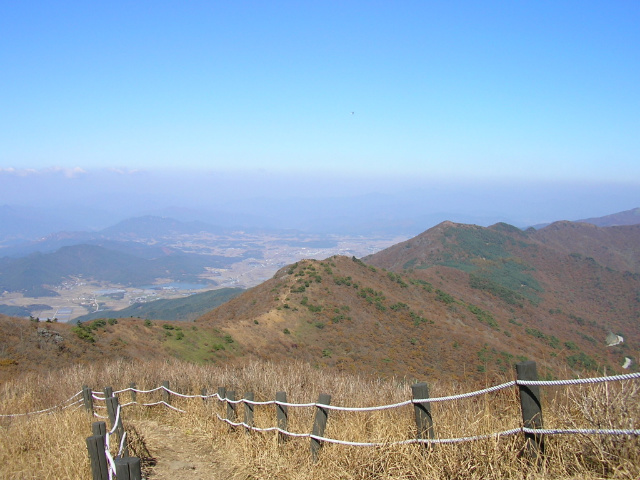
[[566, 296], [628, 217], [423, 323], [614, 247]]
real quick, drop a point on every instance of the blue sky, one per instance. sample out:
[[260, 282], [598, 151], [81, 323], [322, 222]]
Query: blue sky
[[548, 90], [455, 93]]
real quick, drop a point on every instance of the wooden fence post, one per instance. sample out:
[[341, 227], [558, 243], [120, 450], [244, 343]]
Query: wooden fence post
[[222, 395], [87, 397], [282, 415], [99, 428], [422, 410], [205, 399], [108, 392], [165, 395], [134, 394], [97, 457], [319, 424], [248, 410], [111, 413], [231, 407], [531, 407], [128, 468]]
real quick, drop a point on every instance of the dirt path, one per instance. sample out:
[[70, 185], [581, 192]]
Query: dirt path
[[178, 456]]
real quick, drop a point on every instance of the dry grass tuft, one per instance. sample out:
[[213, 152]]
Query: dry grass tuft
[[51, 446]]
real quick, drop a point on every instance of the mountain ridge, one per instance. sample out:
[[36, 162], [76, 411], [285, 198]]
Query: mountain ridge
[[457, 300]]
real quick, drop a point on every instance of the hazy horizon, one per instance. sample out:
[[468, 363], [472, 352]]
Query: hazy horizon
[[332, 115], [95, 199]]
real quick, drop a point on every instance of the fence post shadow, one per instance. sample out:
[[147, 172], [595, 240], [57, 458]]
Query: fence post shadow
[[422, 411], [282, 415], [248, 410]]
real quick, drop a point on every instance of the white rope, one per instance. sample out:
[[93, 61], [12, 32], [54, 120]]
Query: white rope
[[495, 388], [146, 391], [122, 440], [581, 431], [30, 413], [419, 440], [96, 397], [286, 404], [373, 444], [72, 404], [163, 403], [365, 409], [60, 405], [99, 416], [381, 407], [107, 451], [242, 424], [115, 421], [181, 394], [577, 381], [252, 402], [73, 396]]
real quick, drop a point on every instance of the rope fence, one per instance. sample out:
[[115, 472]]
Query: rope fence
[[106, 466], [527, 383]]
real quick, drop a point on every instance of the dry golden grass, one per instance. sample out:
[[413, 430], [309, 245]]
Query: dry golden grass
[[49, 446]]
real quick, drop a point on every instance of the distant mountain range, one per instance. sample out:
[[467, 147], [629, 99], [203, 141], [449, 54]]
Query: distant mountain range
[[34, 274], [628, 217], [141, 236], [457, 300]]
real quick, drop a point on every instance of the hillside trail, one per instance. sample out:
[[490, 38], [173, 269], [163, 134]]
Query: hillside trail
[[179, 456]]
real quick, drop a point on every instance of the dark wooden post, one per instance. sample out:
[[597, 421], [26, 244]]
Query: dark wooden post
[[422, 410], [319, 424], [111, 413], [282, 415], [531, 407], [97, 457], [134, 395], [87, 396], [122, 468], [128, 468], [248, 410], [108, 392], [165, 395], [205, 399], [222, 394], [135, 470], [99, 428], [231, 407]]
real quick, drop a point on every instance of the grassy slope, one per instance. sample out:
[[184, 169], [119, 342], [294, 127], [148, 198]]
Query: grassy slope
[[52, 446], [44, 347]]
